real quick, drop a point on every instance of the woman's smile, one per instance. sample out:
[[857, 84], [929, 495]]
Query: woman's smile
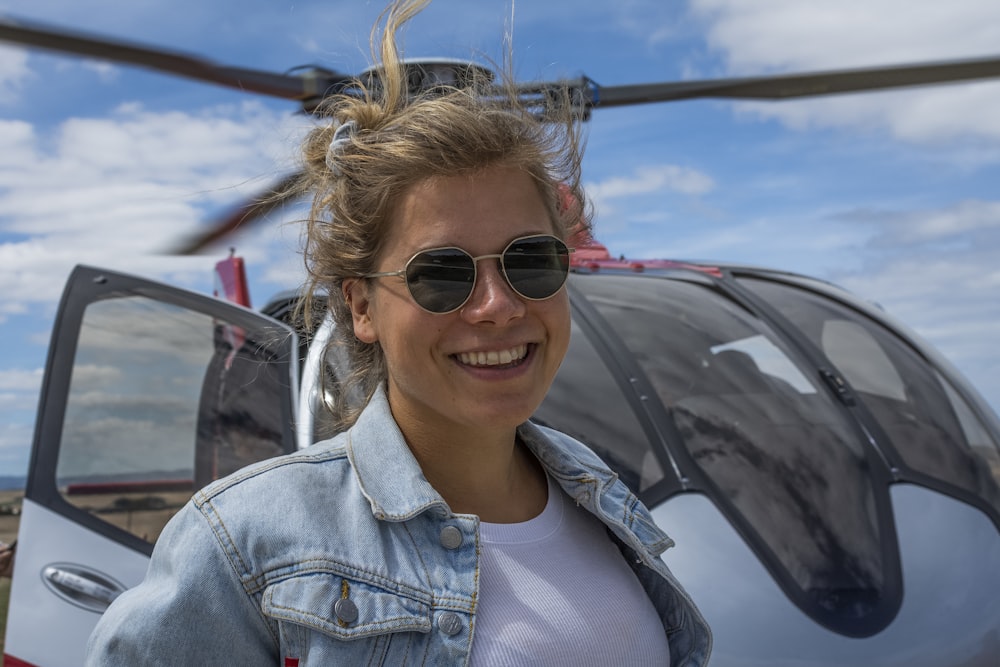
[[504, 358]]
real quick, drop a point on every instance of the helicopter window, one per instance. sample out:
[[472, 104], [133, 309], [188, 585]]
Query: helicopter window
[[777, 455], [612, 430], [160, 402], [861, 360], [974, 431], [769, 361], [928, 423]]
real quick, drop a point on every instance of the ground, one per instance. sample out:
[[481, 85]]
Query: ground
[[4, 599], [8, 533]]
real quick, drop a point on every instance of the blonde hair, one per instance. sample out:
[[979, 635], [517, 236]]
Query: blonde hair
[[399, 138]]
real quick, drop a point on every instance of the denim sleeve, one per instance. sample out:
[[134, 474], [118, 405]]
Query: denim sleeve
[[191, 609]]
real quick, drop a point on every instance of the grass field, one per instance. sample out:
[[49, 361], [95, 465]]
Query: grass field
[[4, 600], [8, 533]]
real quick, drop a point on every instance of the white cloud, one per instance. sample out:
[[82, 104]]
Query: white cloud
[[929, 115], [110, 191], [787, 35], [789, 244], [648, 180], [15, 447], [18, 380], [782, 34], [17, 137], [968, 219], [18, 401]]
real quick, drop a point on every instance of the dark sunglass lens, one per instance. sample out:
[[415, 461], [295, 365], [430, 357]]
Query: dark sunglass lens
[[536, 266], [441, 280]]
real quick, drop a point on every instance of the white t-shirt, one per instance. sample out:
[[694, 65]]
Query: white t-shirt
[[556, 591]]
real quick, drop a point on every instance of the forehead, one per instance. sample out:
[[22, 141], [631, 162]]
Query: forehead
[[487, 208]]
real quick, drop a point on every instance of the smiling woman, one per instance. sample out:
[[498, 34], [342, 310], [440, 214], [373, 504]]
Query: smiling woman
[[440, 518]]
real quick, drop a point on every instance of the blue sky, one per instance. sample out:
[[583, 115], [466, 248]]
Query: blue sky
[[893, 195]]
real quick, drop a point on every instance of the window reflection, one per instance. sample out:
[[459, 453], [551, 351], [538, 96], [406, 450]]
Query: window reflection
[[928, 423], [612, 429], [761, 360], [161, 401], [781, 456]]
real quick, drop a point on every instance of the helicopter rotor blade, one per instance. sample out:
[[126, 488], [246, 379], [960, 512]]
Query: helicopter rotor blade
[[247, 214], [790, 86], [311, 84]]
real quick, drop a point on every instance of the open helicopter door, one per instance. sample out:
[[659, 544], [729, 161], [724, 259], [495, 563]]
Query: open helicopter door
[[149, 393]]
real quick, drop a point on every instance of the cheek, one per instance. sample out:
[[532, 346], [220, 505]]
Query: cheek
[[560, 322], [403, 329]]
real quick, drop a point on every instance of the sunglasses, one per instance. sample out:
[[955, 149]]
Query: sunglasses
[[441, 280]]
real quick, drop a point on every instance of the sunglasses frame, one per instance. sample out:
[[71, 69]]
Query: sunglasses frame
[[475, 271]]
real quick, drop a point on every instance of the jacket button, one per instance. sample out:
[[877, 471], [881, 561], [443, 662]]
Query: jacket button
[[346, 611], [450, 623], [451, 537]]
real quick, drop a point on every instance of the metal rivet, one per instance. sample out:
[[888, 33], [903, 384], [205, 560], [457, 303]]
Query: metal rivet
[[451, 537], [346, 611], [450, 623]]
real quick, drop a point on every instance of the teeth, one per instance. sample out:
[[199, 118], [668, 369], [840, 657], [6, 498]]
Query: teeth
[[494, 358]]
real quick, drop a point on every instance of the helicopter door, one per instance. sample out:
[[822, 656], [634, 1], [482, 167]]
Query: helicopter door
[[149, 393]]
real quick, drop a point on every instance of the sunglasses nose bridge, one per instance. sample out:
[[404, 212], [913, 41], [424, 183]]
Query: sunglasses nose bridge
[[497, 256], [488, 279]]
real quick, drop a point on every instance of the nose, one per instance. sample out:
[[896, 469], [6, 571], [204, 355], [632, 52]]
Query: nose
[[492, 300]]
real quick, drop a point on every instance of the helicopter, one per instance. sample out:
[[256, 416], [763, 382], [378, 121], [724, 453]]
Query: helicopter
[[696, 367]]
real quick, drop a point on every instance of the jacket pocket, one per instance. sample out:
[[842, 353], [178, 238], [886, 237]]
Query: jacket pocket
[[324, 616]]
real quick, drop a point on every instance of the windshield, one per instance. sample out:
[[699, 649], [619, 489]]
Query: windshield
[[755, 431], [928, 424]]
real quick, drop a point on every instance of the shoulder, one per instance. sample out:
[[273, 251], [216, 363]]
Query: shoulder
[[270, 514], [325, 458]]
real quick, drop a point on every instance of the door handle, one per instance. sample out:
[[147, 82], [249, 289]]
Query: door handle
[[81, 586]]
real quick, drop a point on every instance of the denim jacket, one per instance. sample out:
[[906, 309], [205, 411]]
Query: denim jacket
[[343, 554]]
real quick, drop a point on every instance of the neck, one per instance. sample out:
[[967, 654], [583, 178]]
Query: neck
[[478, 471]]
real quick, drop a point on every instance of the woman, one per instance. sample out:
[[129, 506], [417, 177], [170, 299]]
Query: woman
[[440, 528]]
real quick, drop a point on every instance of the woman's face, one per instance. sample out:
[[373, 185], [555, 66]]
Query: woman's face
[[489, 363]]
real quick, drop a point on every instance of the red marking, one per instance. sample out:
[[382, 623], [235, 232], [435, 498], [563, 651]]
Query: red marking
[[145, 486], [593, 256], [11, 661], [231, 284], [291, 662], [231, 280]]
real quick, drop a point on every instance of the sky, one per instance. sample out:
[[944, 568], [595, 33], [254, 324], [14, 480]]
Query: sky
[[892, 195]]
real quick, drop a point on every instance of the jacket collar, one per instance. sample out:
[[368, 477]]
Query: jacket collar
[[389, 475], [568, 461], [391, 479]]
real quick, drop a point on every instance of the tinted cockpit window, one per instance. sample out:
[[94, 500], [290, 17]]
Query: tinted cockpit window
[[928, 423], [613, 431], [781, 457]]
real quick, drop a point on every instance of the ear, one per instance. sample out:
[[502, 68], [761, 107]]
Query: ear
[[357, 298]]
